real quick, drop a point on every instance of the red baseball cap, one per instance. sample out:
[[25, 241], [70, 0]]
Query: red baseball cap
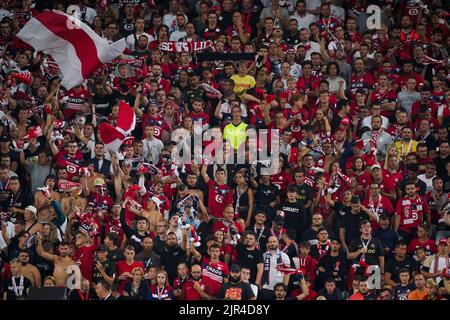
[[345, 121]]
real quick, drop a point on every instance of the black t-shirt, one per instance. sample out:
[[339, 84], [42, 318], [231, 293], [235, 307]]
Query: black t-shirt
[[170, 258], [264, 195], [294, 216], [350, 222], [115, 255], [20, 200], [440, 165], [319, 250], [262, 235], [249, 259], [45, 267], [12, 154], [126, 27], [332, 264], [104, 104], [109, 267], [236, 291], [339, 210], [374, 250], [393, 266], [304, 193], [22, 284]]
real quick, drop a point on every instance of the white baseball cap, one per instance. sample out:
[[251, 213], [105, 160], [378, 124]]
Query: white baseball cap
[[32, 209]]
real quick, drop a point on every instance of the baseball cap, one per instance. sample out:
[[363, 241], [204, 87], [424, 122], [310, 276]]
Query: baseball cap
[[443, 241], [32, 209], [5, 138], [279, 220], [290, 50], [99, 182], [235, 268], [157, 201], [376, 165], [345, 121]]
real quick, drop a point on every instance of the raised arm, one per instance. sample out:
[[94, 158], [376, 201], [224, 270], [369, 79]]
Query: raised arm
[[205, 176], [40, 250]]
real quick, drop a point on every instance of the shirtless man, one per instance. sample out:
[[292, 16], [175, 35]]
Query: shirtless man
[[28, 270], [32, 226], [42, 203], [62, 262], [151, 212], [69, 203]]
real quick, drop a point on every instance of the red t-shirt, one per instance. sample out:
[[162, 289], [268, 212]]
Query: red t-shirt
[[200, 118], [219, 196], [74, 104], [191, 294], [159, 123], [410, 212], [84, 257], [281, 180], [381, 206], [365, 82], [122, 267], [214, 274], [429, 246]]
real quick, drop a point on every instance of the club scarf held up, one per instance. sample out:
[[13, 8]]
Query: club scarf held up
[[191, 46], [75, 47]]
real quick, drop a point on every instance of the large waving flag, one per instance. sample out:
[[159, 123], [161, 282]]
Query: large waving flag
[[113, 137], [74, 46]]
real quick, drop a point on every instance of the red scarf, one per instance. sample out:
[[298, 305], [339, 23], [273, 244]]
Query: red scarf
[[191, 46]]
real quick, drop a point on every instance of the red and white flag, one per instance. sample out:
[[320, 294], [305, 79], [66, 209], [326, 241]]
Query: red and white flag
[[74, 46], [66, 186], [113, 137]]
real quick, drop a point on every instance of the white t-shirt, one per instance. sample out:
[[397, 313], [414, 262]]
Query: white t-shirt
[[177, 35], [225, 108], [304, 21], [337, 12], [152, 149], [275, 276], [428, 182], [443, 262], [367, 122]]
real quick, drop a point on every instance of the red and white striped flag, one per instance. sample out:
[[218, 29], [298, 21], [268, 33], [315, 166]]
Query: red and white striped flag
[[113, 137], [74, 46]]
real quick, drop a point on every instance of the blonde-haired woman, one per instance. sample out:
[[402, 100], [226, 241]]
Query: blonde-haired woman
[[390, 151], [161, 290]]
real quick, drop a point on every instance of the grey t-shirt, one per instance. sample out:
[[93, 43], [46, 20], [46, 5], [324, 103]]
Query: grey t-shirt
[[406, 99]]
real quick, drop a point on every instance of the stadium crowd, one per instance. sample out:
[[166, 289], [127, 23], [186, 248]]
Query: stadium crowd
[[358, 206]]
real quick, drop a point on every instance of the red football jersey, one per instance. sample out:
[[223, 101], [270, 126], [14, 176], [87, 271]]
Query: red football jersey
[[219, 196], [214, 274]]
